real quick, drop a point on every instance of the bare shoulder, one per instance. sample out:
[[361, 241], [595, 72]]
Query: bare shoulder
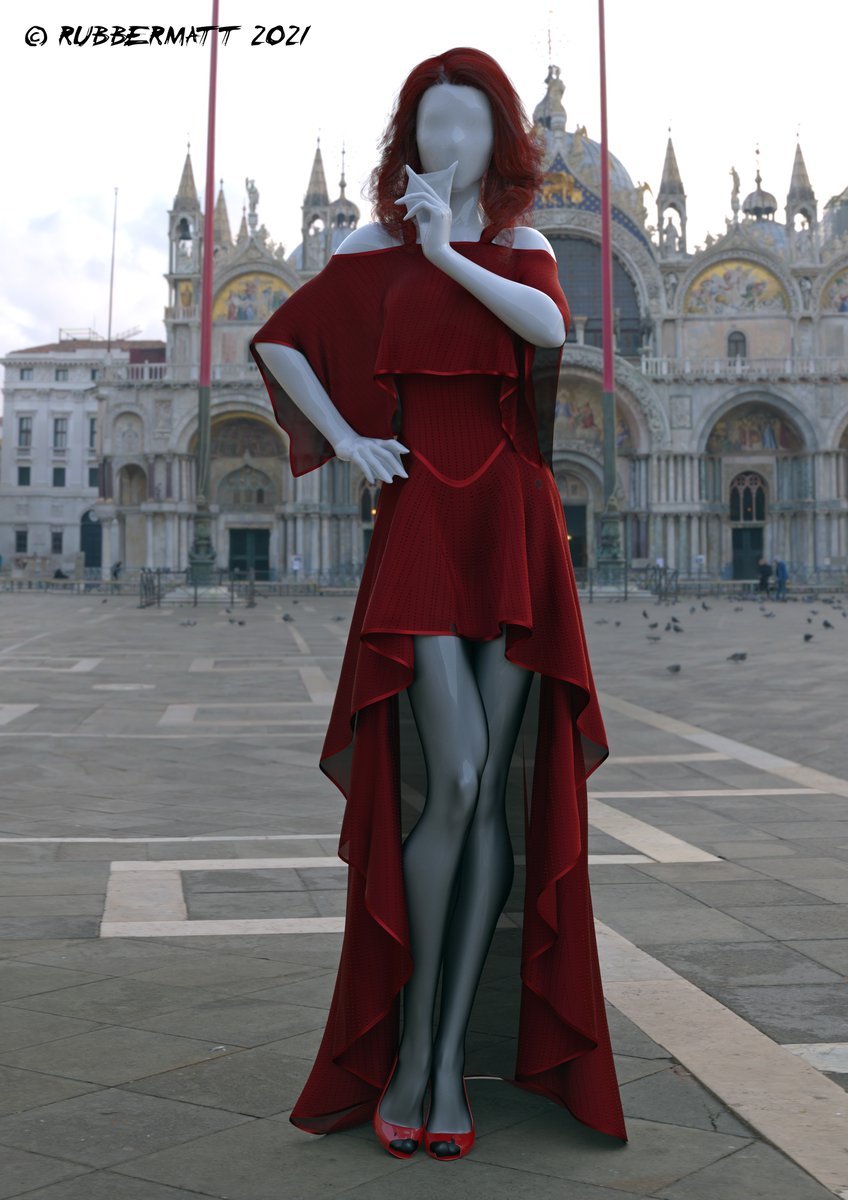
[[372, 236], [525, 237]]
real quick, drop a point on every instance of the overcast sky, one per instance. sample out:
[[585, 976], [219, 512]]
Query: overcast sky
[[80, 121]]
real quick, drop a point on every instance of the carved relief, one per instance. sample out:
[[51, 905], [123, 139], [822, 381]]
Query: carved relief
[[128, 433]]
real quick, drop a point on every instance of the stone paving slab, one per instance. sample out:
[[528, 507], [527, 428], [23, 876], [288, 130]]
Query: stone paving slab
[[203, 1042]]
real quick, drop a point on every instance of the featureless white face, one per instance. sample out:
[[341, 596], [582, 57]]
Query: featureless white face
[[454, 124]]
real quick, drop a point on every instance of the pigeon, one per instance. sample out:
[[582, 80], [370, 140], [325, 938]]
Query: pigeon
[[644, 614], [295, 602], [737, 656], [828, 625], [678, 629], [105, 600], [336, 618], [814, 611], [289, 617], [188, 622], [691, 609], [618, 623], [739, 608], [668, 626], [674, 668], [231, 620], [228, 610], [771, 614], [705, 606], [653, 624], [808, 637], [654, 637], [241, 622], [809, 620], [602, 621]]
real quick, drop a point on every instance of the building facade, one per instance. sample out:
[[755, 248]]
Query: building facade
[[731, 386]]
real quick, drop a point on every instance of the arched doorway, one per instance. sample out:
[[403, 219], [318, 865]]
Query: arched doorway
[[747, 520], [132, 492], [575, 506], [91, 539]]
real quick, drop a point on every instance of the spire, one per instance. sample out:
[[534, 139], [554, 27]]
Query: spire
[[316, 193], [243, 235], [186, 196], [800, 187], [672, 195], [222, 233], [342, 181], [671, 184]]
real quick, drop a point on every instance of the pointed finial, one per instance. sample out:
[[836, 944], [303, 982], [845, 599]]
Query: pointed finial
[[343, 181]]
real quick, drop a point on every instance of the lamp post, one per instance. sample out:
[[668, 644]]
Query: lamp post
[[201, 555]]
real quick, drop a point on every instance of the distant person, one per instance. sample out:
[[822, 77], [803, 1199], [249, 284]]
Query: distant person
[[764, 569], [116, 569], [781, 574], [60, 574]]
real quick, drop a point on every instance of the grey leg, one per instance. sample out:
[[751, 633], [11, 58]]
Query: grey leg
[[451, 723], [485, 878]]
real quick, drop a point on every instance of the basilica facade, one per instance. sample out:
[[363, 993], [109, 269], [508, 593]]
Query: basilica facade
[[731, 382]]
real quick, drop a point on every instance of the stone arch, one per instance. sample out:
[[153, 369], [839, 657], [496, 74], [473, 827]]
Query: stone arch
[[578, 420], [630, 384], [185, 433], [246, 487], [127, 433], [751, 399], [735, 285], [832, 293], [580, 483], [131, 485]]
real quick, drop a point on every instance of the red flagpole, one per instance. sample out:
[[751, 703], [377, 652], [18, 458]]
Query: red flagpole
[[608, 403]]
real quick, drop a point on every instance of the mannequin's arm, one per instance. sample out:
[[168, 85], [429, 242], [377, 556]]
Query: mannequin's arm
[[377, 458], [528, 312], [525, 310]]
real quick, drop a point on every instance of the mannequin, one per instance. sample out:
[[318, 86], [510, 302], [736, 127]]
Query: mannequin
[[467, 697]]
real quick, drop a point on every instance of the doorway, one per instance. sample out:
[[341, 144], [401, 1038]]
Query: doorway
[[747, 551], [91, 540], [250, 548], [575, 523]]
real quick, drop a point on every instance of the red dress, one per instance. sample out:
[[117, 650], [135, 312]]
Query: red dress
[[472, 542]]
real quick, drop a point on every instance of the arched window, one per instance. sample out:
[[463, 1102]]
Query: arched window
[[748, 498], [737, 345]]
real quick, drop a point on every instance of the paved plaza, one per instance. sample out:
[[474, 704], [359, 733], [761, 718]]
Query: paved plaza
[[171, 906]]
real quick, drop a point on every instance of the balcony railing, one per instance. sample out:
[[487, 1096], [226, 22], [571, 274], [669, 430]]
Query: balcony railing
[[800, 367], [180, 373]]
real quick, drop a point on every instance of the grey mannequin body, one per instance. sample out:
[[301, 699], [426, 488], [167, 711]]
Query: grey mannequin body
[[467, 698]]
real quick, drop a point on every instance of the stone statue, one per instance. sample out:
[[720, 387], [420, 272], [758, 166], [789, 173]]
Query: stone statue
[[670, 288], [734, 195], [669, 237], [253, 200]]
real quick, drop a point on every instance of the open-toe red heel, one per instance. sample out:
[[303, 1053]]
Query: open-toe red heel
[[388, 1133], [456, 1145]]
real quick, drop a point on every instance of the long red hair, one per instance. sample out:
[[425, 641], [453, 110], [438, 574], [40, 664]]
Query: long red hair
[[515, 171]]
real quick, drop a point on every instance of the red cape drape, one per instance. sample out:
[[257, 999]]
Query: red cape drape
[[365, 318]]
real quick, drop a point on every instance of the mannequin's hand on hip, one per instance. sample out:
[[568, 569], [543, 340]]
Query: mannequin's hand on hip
[[377, 458]]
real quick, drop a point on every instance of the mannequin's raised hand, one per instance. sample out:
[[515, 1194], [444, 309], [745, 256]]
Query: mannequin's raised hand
[[377, 458], [427, 200]]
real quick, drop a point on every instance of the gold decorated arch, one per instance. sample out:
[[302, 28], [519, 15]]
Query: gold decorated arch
[[252, 297], [835, 294], [754, 427], [735, 287]]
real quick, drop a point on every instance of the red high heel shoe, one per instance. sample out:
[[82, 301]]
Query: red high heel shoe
[[463, 1141], [387, 1132]]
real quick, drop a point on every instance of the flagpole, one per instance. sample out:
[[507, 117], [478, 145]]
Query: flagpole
[[202, 553], [609, 551]]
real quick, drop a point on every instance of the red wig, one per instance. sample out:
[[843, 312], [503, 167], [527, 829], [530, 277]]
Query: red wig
[[515, 172]]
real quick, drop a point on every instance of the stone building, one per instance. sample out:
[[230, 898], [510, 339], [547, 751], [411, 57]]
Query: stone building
[[731, 382]]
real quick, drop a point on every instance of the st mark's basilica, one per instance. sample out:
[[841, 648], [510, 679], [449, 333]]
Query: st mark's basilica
[[731, 387]]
